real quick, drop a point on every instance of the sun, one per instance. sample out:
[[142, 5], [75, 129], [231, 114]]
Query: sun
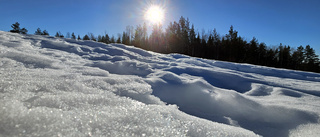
[[154, 14]]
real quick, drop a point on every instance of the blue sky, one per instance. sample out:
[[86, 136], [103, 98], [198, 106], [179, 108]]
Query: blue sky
[[293, 22]]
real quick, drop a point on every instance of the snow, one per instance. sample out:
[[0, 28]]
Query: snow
[[63, 87]]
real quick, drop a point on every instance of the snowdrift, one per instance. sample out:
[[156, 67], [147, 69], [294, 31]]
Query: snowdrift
[[64, 87]]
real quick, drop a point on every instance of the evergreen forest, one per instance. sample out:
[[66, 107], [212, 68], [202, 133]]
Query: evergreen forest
[[181, 37]]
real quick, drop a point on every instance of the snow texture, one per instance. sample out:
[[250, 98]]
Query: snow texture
[[64, 87]]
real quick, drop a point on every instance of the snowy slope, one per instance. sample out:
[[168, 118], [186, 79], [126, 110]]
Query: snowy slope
[[64, 87]]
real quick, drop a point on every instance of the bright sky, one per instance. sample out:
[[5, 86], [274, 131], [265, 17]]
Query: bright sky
[[293, 22]]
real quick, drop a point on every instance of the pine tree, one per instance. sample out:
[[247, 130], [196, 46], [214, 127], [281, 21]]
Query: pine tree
[[100, 38], [283, 56], [61, 35], [252, 51], [15, 28], [210, 47], [23, 31], [107, 39], [262, 50], [125, 38], [298, 57], [79, 37], [118, 40], [173, 38], [57, 35], [216, 43], [45, 32], [73, 36], [310, 55], [38, 32], [271, 57], [184, 34], [86, 37], [112, 40], [232, 34], [232, 45], [311, 59]]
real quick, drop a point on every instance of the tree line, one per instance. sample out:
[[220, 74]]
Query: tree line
[[181, 37]]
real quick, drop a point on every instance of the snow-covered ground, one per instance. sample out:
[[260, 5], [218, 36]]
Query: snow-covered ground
[[64, 87]]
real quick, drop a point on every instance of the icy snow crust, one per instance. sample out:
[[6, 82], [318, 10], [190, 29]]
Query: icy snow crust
[[64, 87]]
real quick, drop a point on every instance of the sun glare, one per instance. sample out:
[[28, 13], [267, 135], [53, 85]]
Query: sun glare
[[154, 14]]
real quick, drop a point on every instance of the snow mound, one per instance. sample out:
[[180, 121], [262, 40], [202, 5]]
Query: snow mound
[[64, 87]]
